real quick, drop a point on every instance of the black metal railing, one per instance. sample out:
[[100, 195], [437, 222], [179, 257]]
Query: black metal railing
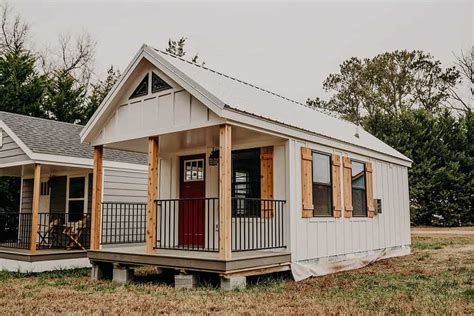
[[188, 224], [15, 230], [59, 230], [56, 230], [257, 224], [123, 223]]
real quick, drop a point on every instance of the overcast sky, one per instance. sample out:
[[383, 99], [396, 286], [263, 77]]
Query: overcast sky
[[287, 47]]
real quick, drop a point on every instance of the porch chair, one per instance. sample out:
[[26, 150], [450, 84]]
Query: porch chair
[[74, 230]]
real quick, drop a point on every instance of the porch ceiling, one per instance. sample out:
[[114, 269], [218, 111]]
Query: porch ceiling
[[46, 170], [199, 138]]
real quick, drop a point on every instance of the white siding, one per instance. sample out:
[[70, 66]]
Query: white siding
[[324, 237], [156, 113]]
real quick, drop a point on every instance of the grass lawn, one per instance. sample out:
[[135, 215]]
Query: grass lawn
[[437, 278]]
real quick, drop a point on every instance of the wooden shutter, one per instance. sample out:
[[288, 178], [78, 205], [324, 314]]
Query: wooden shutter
[[347, 185], [336, 185], [307, 182], [369, 186], [266, 183]]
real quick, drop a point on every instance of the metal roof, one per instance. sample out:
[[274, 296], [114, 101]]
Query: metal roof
[[251, 99], [44, 136]]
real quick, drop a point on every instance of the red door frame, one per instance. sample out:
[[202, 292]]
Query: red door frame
[[191, 208]]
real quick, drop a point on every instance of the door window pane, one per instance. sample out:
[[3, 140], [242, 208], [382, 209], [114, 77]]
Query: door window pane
[[194, 170]]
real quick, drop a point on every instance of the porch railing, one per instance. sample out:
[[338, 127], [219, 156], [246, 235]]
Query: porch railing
[[56, 230], [123, 223], [188, 224], [257, 224], [15, 230]]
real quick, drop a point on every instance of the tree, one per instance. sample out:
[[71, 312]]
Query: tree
[[69, 78], [465, 64], [389, 83], [21, 87], [100, 89], [177, 48]]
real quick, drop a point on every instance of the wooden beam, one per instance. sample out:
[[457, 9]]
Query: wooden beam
[[153, 148], [96, 197], [225, 202], [35, 207]]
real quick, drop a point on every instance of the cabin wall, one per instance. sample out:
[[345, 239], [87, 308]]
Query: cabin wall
[[124, 222], [10, 152], [156, 113], [319, 237]]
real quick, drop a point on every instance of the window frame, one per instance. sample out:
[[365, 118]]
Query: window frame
[[133, 96], [251, 205], [167, 87], [203, 170], [84, 198], [325, 184], [366, 210]]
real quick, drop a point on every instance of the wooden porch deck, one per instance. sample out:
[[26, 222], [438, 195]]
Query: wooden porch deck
[[40, 255], [246, 262]]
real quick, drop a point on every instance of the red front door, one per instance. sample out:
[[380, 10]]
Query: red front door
[[192, 191]]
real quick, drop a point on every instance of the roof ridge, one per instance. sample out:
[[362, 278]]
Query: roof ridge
[[324, 111], [41, 119]]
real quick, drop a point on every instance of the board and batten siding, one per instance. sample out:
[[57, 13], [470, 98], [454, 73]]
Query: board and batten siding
[[10, 151], [319, 237], [156, 113]]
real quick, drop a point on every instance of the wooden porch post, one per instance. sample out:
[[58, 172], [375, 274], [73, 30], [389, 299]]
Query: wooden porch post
[[96, 197], [153, 148], [35, 207], [225, 202]]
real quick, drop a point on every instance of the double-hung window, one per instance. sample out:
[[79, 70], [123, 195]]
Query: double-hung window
[[322, 185], [246, 183], [359, 194], [76, 201]]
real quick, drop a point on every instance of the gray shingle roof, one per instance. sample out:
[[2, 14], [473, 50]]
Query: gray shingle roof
[[44, 136]]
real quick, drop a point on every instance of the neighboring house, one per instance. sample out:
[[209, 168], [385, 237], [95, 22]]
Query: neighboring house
[[56, 192], [241, 181]]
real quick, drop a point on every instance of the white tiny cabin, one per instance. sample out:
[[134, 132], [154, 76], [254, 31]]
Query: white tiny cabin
[[241, 178]]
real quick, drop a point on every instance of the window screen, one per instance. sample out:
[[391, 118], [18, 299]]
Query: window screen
[[322, 186], [359, 197]]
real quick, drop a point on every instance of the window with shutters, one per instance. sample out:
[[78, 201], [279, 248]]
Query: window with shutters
[[358, 187], [322, 185], [246, 182]]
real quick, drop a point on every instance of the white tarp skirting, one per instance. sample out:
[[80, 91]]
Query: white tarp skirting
[[318, 267]]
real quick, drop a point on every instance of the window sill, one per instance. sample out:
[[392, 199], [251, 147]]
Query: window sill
[[322, 219], [360, 219]]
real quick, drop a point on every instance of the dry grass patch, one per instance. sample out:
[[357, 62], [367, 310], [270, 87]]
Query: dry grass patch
[[437, 278]]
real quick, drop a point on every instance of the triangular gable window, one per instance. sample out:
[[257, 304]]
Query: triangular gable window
[[142, 88], [158, 84]]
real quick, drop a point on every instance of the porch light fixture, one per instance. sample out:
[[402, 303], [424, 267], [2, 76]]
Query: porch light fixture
[[214, 157]]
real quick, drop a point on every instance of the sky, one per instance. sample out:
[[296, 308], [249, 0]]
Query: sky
[[285, 46]]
